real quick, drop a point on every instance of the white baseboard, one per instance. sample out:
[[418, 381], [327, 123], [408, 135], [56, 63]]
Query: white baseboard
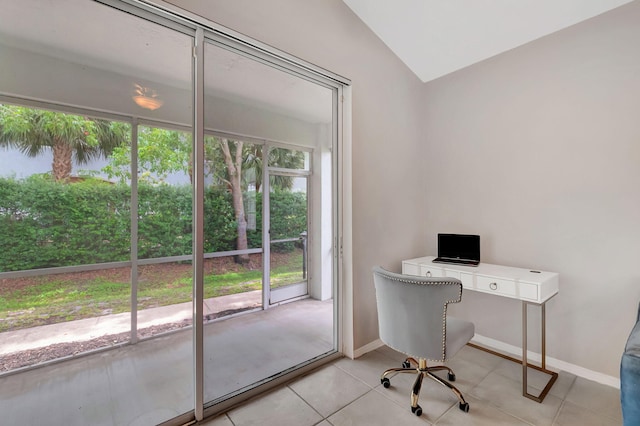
[[372, 346], [517, 352], [551, 362]]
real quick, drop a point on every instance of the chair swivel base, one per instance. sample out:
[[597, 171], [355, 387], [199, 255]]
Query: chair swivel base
[[423, 371]]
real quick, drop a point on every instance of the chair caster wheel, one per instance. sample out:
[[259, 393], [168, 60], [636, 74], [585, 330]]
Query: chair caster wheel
[[464, 406], [406, 364], [385, 382], [451, 377], [417, 410]]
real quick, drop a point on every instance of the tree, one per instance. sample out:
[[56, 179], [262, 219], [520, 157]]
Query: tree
[[160, 152], [236, 164], [68, 136], [230, 163], [233, 162], [278, 157]]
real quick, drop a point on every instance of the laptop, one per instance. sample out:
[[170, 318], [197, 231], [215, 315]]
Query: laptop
[[459, 249]]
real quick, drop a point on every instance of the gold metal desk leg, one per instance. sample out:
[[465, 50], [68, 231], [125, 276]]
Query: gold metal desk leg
[[543, 347], [523, 361]]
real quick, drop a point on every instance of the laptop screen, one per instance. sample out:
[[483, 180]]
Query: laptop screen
[[459, 246]]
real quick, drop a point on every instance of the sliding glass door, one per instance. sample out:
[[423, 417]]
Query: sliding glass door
[[95, 215], [167, 212], [263, 126]]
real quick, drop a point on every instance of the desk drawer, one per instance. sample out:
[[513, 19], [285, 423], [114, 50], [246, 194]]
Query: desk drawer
[[496, 285], [528, 291], [467, 280], [410, 268], [431, 271], [452, 274]]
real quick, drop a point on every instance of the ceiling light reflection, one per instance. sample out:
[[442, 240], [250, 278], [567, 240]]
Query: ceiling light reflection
[[147, 98]]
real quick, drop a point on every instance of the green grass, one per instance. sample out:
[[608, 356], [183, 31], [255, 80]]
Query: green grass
[[51, 300]]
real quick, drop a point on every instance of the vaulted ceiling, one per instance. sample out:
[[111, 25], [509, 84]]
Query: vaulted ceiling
[[437, 37]]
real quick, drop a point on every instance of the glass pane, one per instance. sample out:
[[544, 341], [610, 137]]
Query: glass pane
[[58, 208], [249, 99], [164, 192], [233, 206], [288, 263], [65, 201], [289, 228], [165, 293], [63, 315], [57, 205], [126, 65], [288, 159], [231, 287], [246, 97]]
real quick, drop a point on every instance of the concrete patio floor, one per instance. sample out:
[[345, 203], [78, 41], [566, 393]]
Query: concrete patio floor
[[152, 381], [90, 328]]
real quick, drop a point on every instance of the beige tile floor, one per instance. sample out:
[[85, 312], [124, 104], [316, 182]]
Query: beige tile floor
[[348, 392]]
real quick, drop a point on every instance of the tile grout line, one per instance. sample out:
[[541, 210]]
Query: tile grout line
[[305, 401]]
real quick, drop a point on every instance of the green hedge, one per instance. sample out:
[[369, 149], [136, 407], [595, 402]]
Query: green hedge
[[288, 219], [47, 224]]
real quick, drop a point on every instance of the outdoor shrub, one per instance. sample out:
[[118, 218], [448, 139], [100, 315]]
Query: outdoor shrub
[[46, 224], [288, 219], [164, 220], [220, 224]]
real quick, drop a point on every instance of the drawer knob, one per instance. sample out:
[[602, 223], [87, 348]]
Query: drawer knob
[[493, 286], [428, 274]]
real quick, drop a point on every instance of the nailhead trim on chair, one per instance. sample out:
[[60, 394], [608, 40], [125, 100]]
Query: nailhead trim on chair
[[430, 281]]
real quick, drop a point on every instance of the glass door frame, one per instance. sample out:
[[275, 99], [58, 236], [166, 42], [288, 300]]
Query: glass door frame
[[215, 34], [220, 37]]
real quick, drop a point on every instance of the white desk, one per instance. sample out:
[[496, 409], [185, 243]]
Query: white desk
[[527, 285]]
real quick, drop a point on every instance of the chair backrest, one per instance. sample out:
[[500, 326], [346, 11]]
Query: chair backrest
[[412, 312]]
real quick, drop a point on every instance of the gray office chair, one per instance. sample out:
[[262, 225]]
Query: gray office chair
[[412, 319]]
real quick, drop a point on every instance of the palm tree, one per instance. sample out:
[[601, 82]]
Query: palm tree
[[34, 131], [232, 161], [278, 157]]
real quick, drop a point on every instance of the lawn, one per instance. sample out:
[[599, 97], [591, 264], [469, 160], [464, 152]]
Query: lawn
[[29, 302]]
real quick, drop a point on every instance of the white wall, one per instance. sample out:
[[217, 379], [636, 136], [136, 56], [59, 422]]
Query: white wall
[[538, 151]]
